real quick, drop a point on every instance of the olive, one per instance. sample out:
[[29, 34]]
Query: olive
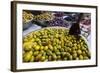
[[67, 54], [25, 40], [27, 46], [66, 50], [46, 48], [57, 35], [58, 57], [27, 56], [39, 42], [63, 53], [37, 47], [32, 40], [50, 44], [81, 57], [84, 53], [35, 53], [32, 59], [41, 47], [38, 57], [44, 53], [59, 46], [54, 56], [86, 58], [84, 49], [85, 46], [70, 57], [30, 36], [58, 53], [73, 48], [79, 52], [88, 54], [49, 52], [65, 58], [43, 58], [74, 52], [75, 44], [59, 43], [74, 55], [41, 51], [55, 48], [69, 49], [62, 50], [77, 58], [50, 58], [50, 47], [46, 56]]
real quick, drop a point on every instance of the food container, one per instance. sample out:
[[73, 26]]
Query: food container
[[27, 19], [27, 25]]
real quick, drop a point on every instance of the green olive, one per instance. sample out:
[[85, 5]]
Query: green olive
[[27, 46], [88, 54], [38, 57], [63, 53], [43, 58], [65, 58], [46, 56], [41, 47], [49, 52], [54, 56], [74, 55], [32, 59], [79, 52], [25, 40], [58, 53], [86, 58], [50, 58], [50, 47], [53, 44], [35, 53], [84, 53], [81, 57], [70, 57], [84, 49], [46, 48], [62, 50], [27, 56], [77, 58], [37, 48], [67, 54], [59, 57]]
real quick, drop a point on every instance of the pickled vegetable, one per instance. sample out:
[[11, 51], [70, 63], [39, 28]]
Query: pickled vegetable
[[27, 17], [54, 44]]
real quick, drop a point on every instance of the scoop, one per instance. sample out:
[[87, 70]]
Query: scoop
[[75, 28]]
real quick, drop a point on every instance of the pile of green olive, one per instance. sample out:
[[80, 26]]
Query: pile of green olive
[[47, 16], [27, 17], [54, 44]]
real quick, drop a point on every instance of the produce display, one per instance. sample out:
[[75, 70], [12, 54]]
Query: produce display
[[54, 44], [58, 22], [27, 17], [47, 36], [47, 16]]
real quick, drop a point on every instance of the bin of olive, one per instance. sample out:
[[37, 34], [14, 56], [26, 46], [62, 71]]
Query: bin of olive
[[27, 19], [54, 44]]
